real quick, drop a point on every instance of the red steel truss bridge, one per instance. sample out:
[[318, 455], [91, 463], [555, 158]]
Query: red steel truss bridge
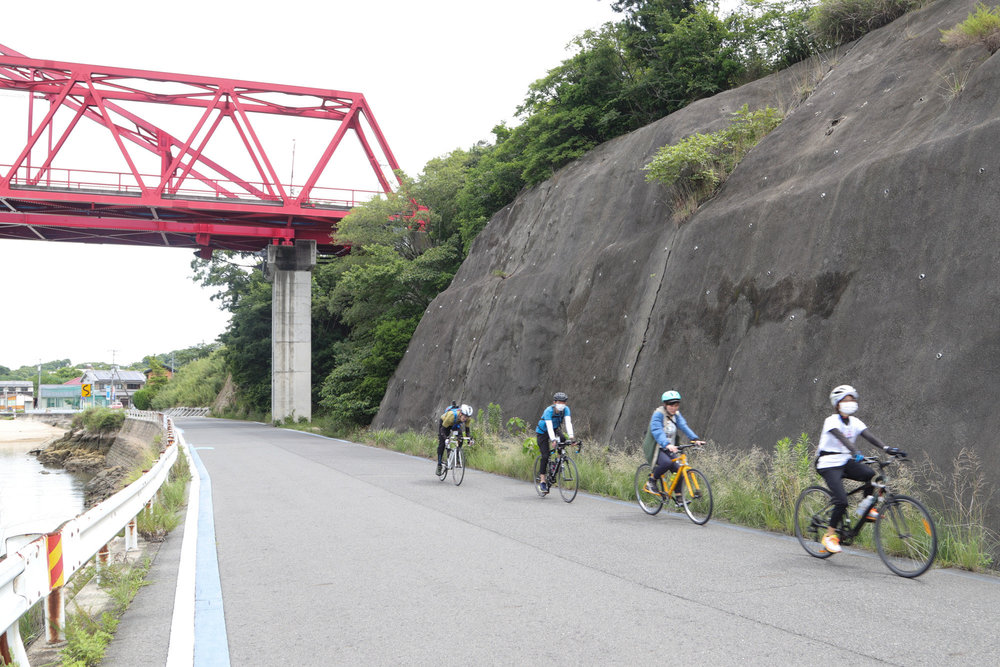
[[169, 191]]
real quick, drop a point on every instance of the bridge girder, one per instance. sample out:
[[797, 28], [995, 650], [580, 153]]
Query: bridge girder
[[193, 200]]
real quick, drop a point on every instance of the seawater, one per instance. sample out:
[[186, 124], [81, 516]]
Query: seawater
[[35, 498]]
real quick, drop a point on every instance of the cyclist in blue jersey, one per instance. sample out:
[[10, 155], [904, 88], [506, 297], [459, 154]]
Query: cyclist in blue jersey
[[549, 430], [660, 446], [454, 420]]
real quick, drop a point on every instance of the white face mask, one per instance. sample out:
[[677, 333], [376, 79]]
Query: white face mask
[[848, 408], [559, 408]]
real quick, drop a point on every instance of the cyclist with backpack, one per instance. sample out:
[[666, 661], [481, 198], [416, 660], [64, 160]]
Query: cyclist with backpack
[[549, 431], [660, 445], [454, 420], [838, 457]]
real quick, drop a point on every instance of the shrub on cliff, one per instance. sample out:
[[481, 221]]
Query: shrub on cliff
[[700, 163], [981, 27], [834, 22], [99, 420]]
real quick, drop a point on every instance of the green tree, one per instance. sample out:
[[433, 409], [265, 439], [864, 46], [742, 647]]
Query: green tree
[[157, 375], [378, 293]]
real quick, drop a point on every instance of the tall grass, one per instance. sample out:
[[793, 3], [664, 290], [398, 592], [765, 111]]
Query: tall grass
[[756, 487], [163, 515]]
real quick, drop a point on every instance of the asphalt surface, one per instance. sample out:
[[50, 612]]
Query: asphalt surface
[[333, 553]]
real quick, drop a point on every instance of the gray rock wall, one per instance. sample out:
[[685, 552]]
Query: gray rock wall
[[858, 243]]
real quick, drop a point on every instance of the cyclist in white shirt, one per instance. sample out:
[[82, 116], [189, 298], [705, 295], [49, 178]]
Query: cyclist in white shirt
[[838, 457]]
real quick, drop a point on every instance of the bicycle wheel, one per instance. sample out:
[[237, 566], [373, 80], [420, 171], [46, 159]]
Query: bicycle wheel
[[444, 466], [812, 517], [649, 502], [458, 473], [905, 536], [697, 497], [537, 474], [568, 479]]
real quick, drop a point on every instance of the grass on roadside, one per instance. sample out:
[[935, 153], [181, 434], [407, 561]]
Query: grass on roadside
[[163, 516], [755, 488], [88, 637]]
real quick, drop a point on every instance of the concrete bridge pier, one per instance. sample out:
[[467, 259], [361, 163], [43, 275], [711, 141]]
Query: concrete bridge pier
[[289, 268]]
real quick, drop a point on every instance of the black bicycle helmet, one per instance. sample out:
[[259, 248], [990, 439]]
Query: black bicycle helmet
[[560, 396]]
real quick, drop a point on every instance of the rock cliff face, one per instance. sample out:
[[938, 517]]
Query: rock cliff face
[[857, 243]]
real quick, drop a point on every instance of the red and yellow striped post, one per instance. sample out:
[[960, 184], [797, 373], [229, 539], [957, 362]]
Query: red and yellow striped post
[[54, 542], [55, 616]]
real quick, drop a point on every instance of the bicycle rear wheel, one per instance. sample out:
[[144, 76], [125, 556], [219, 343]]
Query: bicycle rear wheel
[[444, 466], [812, 518], [649, 502], [458, 473], [568, 478], [905, 536], [537, 476], [697, 497]]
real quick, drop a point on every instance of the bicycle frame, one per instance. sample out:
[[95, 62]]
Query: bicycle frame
[[851, 525], [556, 462], [682, 473], [451, 447]]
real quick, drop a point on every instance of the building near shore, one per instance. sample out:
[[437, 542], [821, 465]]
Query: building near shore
[[17, 395], [113, 387]]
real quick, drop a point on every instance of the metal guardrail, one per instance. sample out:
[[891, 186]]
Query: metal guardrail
[[39, 569]]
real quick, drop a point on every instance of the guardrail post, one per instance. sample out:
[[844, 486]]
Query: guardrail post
[[55, 610], [131, 536], [102, 562], [11, 647]]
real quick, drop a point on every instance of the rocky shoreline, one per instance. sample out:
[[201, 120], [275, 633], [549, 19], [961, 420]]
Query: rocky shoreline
[[109, 457]]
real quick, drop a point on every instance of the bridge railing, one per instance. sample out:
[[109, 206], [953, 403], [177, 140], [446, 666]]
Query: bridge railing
[[125, 184], [40, 568]]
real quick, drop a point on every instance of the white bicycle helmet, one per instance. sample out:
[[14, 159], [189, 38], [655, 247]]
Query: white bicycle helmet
[[838, 393], [466, 410]]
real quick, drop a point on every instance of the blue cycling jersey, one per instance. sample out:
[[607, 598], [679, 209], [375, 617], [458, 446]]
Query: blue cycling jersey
[[551, 415]]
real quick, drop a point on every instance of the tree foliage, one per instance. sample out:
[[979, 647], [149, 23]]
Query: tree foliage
[[402, 258]]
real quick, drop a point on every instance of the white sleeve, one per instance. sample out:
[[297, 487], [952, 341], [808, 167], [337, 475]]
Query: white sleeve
[[552, 433], [569, 427]]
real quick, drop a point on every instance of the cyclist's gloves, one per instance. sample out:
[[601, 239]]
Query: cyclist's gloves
[[895, 451]]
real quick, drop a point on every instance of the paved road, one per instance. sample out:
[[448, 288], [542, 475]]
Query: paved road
[[335, 553]]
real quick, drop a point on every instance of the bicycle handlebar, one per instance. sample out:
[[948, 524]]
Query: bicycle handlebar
[[570, 443]]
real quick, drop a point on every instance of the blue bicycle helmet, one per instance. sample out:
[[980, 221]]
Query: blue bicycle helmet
[[670, 396]]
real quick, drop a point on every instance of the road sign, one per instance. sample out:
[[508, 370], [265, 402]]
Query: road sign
[[85, 390]]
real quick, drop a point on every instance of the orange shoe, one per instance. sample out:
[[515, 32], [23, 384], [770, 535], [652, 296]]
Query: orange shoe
[[831, 543]]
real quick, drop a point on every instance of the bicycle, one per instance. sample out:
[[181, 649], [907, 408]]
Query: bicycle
[[562, 471], [455, 460], [905, 536], [694, 495]]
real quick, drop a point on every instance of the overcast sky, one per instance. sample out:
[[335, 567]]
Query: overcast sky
[[438, 74]]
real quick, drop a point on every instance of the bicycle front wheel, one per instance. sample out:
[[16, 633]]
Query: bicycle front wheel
[[568, 478], [905, 536], [444, 466], [697, 497], [537, 476], [651, 503], [812, 518], [458, 473]]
